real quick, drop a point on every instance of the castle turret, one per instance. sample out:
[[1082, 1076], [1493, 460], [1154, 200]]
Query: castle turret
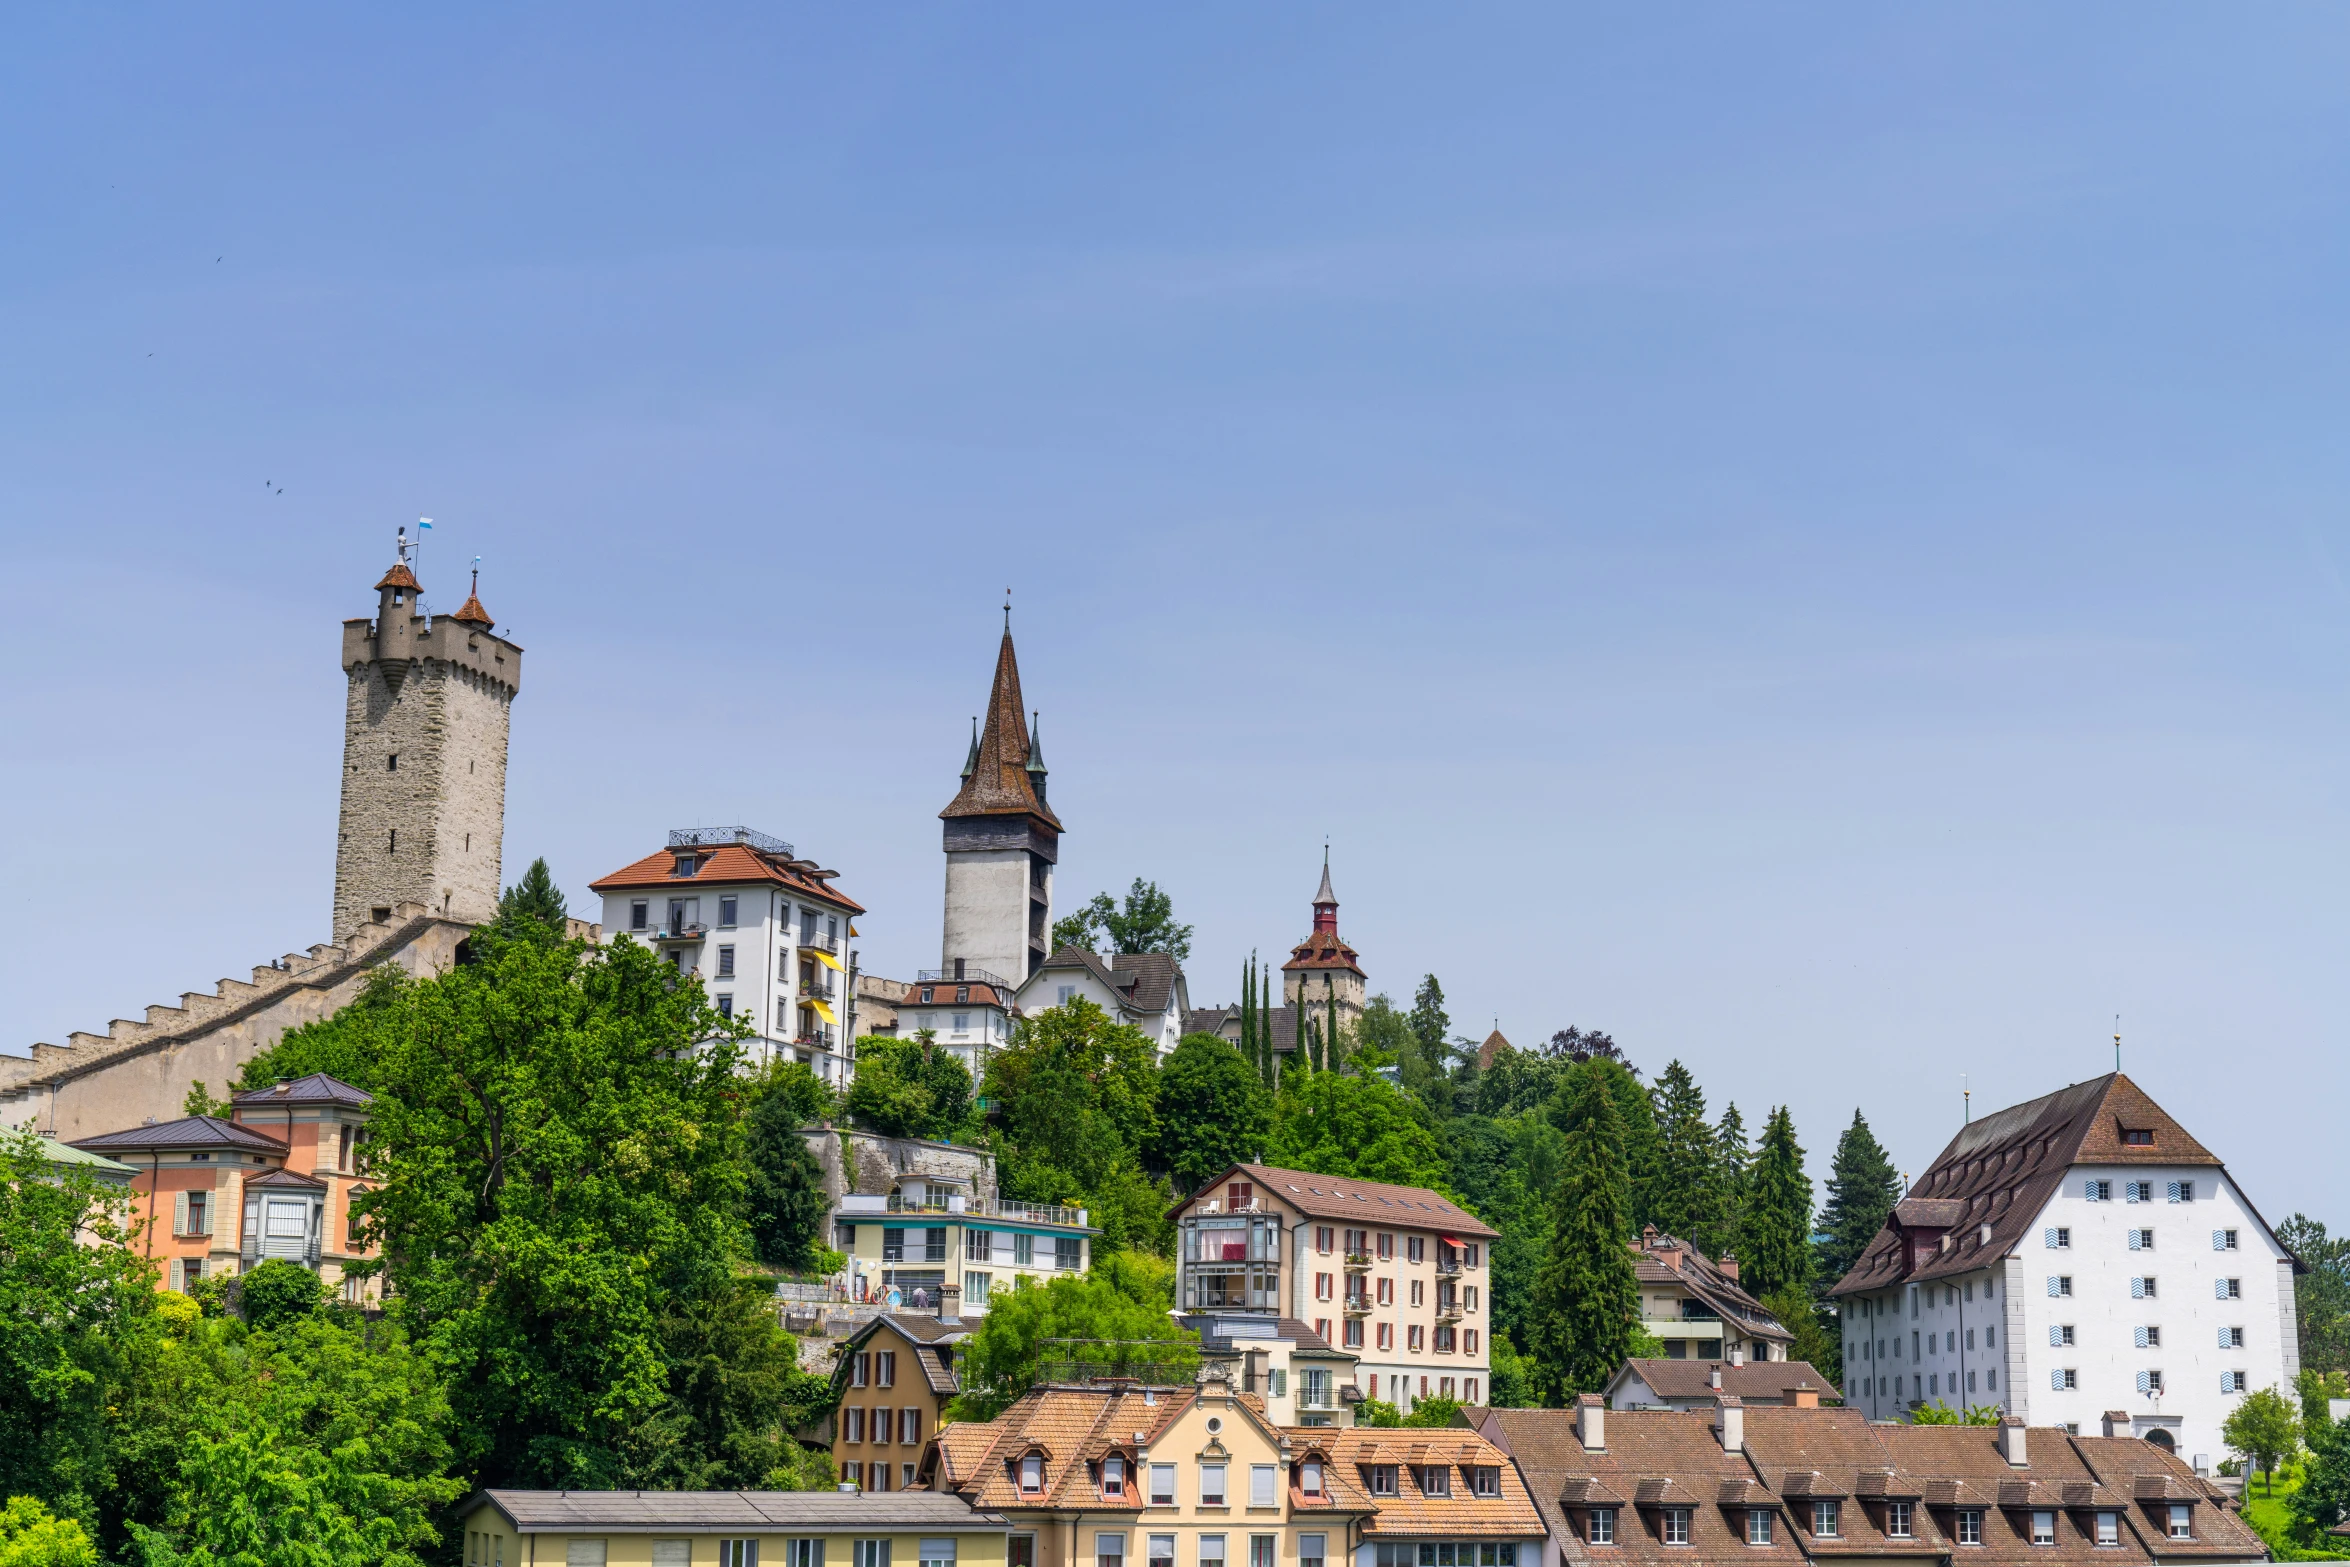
[[424, 757], [1322, 970], [1002, 841]]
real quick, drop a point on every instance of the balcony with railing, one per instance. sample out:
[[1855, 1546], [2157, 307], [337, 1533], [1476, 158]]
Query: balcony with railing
[[1357, 1261], [1448, 1270], [971, 974], [1358, 1305], [1448, 1308], [957, 1205], [820, 941], [684, 931]]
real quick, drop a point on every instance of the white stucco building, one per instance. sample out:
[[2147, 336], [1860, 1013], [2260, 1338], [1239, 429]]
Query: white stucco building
[[765, 930], [1145, 989], [2079, 1261], [968, 1015]]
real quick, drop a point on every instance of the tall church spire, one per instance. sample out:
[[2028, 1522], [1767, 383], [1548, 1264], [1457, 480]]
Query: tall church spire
[[1001, 840]]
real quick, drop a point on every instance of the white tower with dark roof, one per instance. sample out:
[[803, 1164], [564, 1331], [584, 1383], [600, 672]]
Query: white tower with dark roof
[[1002, 841]]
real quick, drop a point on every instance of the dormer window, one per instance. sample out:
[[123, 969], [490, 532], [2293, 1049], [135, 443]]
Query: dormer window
[[686, 864], [1113, 1476], [926, 989], [1436, 1480], [1309, 1477], [1381, 1478], [1485, 1480], [1032, 1474], [2137, 1137]]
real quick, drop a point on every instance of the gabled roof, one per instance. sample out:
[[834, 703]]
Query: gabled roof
[[2001, 1171], [316, 1089], [1071, 1427], [1831, 1454], [1663, 1259], [1775, 1380], [998, 781], [930, 1343], [723, 865], [288, 1178], [1374, 1203], [1412, 1510], [1324, 949], [194, 1132], [1142, 981]]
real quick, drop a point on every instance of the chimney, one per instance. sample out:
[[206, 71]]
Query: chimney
[[1728, 1266], [2117, 1422], [1648, 1237], [2011, 1441], [950, 1303], [1591, 1422], [1738, 1354], [1806, 1396], [1730, 1419], [1714, 1377]]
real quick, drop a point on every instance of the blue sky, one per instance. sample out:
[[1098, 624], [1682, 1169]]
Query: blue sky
[[1810, 538]]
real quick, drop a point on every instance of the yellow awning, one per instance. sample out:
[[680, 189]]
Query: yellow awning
[[823, 1012], [827, 959]]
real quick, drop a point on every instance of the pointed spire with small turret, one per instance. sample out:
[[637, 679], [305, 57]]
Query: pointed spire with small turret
[[1004, 774], [472, 614]]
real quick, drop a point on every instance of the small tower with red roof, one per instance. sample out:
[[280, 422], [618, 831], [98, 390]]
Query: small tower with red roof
[[425, 720], [1323, 970]]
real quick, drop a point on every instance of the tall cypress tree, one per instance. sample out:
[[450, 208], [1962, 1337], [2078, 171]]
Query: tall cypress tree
[[1776, 1247], [1863, 1186], [1586, 1298], [1685, 1199]]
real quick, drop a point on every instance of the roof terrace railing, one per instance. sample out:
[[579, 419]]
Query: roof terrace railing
[[714, 837], [972, 975]]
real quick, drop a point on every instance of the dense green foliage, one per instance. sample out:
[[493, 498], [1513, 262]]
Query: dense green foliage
[[1144, 923], [33, 1536], [1776, 1226], [2264, 1427], [2322, 1295], [2324, 1497], [1862, 1189], [1091, 1321], [1076, 1099], [909, 1088], [1587, 1300], [532, 909], [783, 1198], [1214, 1111]]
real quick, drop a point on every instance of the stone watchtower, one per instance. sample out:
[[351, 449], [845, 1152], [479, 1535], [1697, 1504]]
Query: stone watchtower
[[1002, 841], [424, 758]]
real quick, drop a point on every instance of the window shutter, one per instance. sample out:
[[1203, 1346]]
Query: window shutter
[[2052, 1284], [2137, 1289], [2174, 1191], [2056, 1380], [2129, 1191], [2220, 1288], [2048, 1239], [178, 1276], [179, 1213], [2227, 1381], [2145, 1382], [2219, 1240], [2223, 1339], [2055, 1336], [2139, 1334], [2089, 1190], [2135, 1243]]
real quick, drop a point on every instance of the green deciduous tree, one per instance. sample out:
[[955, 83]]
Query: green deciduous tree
[[1513, 1384], [33, 1536], [1214, 1112], [278, 1293], [1775, 1248], [1000, 1359], [1815, 1340], [1863, 1186], [1144, 923], [1354, 1123], [909, 1088], [2323, 1499], [1586, 1305], [69, 1311], [2265, 1428], [1076, 1099], [1940, 1414]]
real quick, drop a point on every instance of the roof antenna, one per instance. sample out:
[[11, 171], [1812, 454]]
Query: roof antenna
[[2117, 1044], [1966, 1097]]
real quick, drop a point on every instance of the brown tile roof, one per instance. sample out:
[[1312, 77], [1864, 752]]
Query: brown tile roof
[[2125, 1465], [1322, 950], [1769, 1379], [1662, 1259], [999, 782], [1071, 1427], [2000, 1172], [930, 1346], [470, 613], [1494, 1045], [1673, 1454], [1372, 1203], [1833, 1454], [1145, 981], [729, 864], [400, 577], [941, 993], [1412, 1511], [1963, 1466]]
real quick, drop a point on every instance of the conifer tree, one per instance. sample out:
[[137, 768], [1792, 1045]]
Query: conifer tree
[[1586, 1297], [1687, 1160], [1430, 1025], [1863, 1186], [1775, 1250], [533, 907], [1733, 1166]]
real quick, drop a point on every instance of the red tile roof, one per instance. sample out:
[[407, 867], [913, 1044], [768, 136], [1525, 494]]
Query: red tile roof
[[729, 864], [1323, 949], [400, 577], [1373, 1203]]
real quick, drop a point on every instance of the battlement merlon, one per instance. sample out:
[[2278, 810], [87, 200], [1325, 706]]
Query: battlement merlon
[[442, 637]]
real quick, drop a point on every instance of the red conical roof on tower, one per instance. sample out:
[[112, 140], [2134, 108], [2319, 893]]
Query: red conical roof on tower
[[999, 781]]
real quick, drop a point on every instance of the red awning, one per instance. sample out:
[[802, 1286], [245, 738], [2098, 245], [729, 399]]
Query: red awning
[[1450, 1241]]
